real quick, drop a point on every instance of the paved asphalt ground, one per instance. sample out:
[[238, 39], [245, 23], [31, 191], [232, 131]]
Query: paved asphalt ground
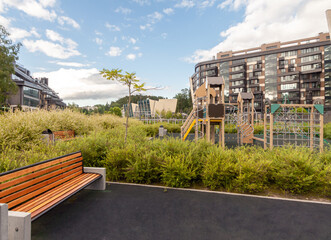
[[139, 212]]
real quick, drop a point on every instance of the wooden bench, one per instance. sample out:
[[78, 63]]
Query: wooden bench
[[64, 135], [37, 188]]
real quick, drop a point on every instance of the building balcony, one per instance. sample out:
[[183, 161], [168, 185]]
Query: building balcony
[[239, 71], [238, 86], [238, 79], [316, 70], [311, 80], [309, 54], [311, 62]]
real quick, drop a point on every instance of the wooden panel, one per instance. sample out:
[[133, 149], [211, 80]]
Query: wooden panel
[[37, 167], [40, 179], [62, 194], [50, 204], [37, 174], [39, 199], [41, 190]]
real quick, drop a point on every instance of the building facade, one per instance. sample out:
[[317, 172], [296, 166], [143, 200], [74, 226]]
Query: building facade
[[297, 72], [149, 108], [33, 93]]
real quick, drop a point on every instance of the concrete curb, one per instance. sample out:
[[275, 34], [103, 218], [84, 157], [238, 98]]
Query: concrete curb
[[221, 193]]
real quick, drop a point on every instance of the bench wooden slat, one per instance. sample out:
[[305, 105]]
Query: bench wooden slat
[[37, 174], [38, 211], [39, 199], [86, 178], [37, 167], [40, 179], [41, 190]]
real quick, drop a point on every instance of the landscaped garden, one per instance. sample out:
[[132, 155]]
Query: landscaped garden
[[169, 162]]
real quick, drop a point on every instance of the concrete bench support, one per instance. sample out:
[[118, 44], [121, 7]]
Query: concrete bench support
[[100, 184], [19, 226], [3, 221]]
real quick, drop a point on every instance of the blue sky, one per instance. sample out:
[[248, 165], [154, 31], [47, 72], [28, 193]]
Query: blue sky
[[70, 41]]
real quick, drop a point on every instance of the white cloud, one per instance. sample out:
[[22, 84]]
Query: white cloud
[[5, 21], [83, 84], [146, 26], [185, 4], [233, 4], [112, 27], [142, 2], [155, 17], [114, 52], [47, 3], [54, 36], [164, 35], [98, 33], [51, 49], [136, 48], [32, 8], [72, 64], [131, 56], [132, 40], [98, 41], [168, 11], [123, 10], [206, 3], [269, 21], [67, 20]]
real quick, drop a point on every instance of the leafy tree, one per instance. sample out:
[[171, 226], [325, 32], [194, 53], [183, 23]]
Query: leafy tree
[[115, 111], [184, 101], [128, 79], [8, 56]]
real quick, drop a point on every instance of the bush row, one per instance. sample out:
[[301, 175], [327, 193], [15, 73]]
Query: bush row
[[175, 163]]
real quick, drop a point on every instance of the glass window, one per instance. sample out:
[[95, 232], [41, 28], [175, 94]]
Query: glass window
[[327, 52], [289, 86], [30, 102], [250, 67], [271, 77], [309, 50], [254, 59], [289, 78], [288, 54], [237, 68], [238, 61], [31, 92], [282, 70], [310, 67], [292, 61], [238, 75], [310, 58]]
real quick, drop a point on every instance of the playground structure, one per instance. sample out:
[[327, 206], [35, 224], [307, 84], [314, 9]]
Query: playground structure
[[297, 124]]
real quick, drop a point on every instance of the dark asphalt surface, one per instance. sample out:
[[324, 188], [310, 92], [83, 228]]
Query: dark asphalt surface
[[137, 212]]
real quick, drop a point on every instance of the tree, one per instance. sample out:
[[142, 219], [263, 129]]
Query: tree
[[8, 56], [115, 111], [184, 101], [128, 79]]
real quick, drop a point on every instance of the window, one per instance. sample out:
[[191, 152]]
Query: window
[[258, 66], [237, 68], [238, 61], [289, 78], [253, 59], [211, 65], [237, 83], [292, 61], [256, 74], [250, 67], [310, 58], [288, 54], [225, 55], [309, 50], [291, 69], [290, 94], [282, 62], [310, 67], [30, 92], [238, 75], [282, 70], [289, 86]]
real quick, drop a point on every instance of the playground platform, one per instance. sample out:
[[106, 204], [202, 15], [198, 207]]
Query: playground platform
[[126, 211]]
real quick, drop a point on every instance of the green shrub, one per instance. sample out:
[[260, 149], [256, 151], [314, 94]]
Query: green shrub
[[177, 171]]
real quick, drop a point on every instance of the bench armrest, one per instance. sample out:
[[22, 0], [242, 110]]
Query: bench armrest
[[99, 184]]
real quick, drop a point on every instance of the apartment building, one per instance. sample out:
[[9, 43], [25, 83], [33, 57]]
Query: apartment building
[[33, 93], [297, 72]]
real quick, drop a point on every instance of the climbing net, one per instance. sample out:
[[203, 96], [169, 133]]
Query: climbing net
[[293, 124]]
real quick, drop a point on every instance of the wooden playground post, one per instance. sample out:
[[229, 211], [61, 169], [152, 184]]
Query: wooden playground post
[[271, 130], [321, 132], [311, 128], [207, 113], [265, 128]]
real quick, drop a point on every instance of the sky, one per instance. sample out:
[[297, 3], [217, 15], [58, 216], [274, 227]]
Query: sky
[[70, 41]]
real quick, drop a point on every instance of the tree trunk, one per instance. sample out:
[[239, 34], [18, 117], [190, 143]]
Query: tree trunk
[[127, 116]]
